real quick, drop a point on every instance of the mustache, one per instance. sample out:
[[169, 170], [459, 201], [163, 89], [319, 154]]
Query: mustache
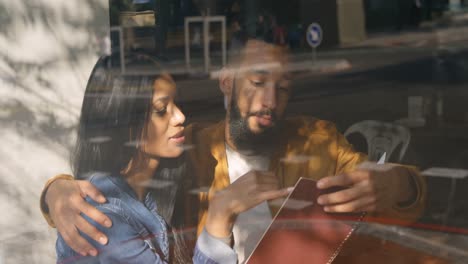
[[263, 112]]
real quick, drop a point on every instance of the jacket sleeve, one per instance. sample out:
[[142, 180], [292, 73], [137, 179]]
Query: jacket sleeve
[[125, 243], [348, 159], [43, 204], [211, 250]]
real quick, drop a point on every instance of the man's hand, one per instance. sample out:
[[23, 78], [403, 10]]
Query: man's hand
[[65, 200], [370, 188], [246, 192]]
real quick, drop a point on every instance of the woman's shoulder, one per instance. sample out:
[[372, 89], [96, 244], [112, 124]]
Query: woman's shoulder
[[121, 200], [110, 185], [113, 187]]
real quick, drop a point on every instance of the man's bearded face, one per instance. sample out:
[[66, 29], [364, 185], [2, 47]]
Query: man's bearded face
[[259, 97], [242, 135]]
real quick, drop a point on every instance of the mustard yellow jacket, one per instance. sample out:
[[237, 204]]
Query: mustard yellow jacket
[[307, 147]]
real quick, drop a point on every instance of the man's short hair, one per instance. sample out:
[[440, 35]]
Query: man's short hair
[[253, 46]]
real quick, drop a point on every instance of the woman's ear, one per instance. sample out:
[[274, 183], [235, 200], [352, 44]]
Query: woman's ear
[[226, 81]]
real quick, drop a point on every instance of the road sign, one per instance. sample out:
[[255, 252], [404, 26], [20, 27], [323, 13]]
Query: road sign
[[314, 35]]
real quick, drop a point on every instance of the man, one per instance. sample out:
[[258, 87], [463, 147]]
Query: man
[[232, 158]]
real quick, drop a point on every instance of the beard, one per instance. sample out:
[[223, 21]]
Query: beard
[[242, 136]]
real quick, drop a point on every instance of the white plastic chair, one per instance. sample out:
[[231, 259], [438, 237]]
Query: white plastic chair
[[382, 138]]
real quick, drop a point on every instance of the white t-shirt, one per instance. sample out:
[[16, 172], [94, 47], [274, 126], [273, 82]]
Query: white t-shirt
[[250, 225]]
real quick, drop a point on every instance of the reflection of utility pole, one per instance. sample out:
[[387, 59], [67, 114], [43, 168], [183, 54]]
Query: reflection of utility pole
[[161, 10], [250, 9], [206, 39], [440, 75]]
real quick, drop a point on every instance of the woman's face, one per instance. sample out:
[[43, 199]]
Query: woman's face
[[165, 129]]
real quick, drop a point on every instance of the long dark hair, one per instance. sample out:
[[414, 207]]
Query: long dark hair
[[115, 111]]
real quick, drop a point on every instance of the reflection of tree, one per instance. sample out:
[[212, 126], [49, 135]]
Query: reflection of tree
[[38, 39], [47, 50]]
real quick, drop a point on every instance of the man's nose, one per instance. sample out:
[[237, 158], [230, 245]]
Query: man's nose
[[269, 97]]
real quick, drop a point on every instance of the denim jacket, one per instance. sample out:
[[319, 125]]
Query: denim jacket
[[139, 233]]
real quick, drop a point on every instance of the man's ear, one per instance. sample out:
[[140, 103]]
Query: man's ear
[[226, 81]]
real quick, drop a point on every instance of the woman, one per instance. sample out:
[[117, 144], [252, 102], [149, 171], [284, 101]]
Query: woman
[[129, 142]]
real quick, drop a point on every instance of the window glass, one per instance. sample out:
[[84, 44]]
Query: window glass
[[200, 109]]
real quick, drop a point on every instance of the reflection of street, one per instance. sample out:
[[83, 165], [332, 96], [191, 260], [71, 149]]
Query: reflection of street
[[377, 87]]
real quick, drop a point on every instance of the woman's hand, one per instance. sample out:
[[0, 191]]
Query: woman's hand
[[247, 192], [66, 200]]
